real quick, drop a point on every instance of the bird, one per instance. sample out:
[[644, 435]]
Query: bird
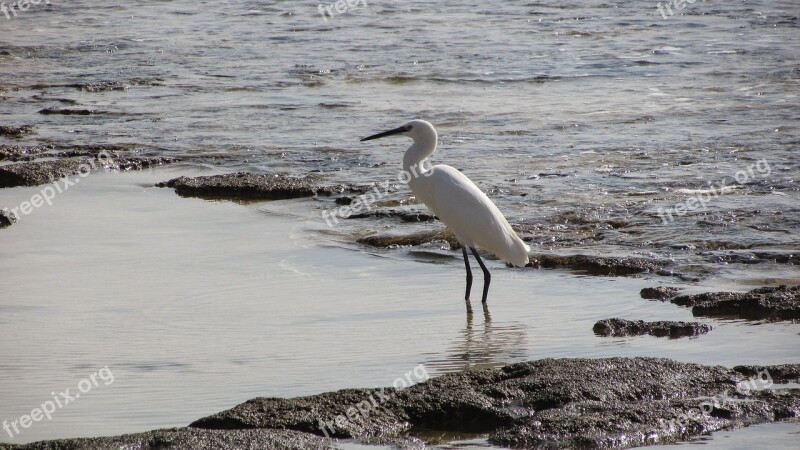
[[465, 209]]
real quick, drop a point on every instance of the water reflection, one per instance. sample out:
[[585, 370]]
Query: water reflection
[[488, 344]]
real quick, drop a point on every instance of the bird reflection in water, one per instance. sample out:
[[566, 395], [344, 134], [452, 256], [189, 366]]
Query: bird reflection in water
[[482, 346]]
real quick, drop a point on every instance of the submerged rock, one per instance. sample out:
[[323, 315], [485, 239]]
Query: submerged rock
[[552, 403], [128, 164], [69, 112], [252, 186], [404, 215], [596, 265], [777, 303], [386, 240], [659, 293], [103, 86], [674, 330]]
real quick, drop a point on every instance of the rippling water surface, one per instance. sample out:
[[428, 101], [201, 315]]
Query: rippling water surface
[[581, 119]]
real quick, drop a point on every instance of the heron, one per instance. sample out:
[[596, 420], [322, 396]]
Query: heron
[[465, 209]]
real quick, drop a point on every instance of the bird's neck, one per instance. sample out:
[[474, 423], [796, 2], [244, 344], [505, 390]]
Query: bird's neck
[[416, 154]]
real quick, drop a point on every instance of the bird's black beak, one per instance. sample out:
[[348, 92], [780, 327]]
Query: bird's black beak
[[402, 129]]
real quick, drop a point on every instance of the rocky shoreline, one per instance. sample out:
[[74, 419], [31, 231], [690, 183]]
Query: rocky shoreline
[[552, 403], [621, 327], [549, 403]]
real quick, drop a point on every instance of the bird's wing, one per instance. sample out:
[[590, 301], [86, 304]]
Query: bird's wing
[[470, 214]]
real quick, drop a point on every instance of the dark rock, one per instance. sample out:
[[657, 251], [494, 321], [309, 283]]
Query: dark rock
[[69, 112], [779, 373], [404, 215], [779, 257], [556, 403], [191, 438], [5, 220], [20, 152], [15, 131], [620, 424], [128, 164], [674, 330], [659, 293], [552, 403], [250, 186], [777, 303], [30, 153], [103, 86], [385, 240], [596, 265], [344, 200], [41, 172], [36, 173]]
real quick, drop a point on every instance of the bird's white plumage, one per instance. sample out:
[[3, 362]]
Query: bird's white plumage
[[469, 213], [455, 199]]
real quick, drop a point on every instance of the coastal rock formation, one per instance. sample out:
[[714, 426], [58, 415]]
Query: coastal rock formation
[[616, 402], [21, 152], [659, 293], [597, 265], [552, 403], [774, 303], [191, 438], [251, 186], [386, 240], [35, 173], [5, 220], [673, 330], [12, 131]]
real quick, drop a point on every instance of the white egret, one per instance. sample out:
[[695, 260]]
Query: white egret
[[462, 206]]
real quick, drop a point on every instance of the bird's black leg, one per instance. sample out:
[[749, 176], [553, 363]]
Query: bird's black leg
[[487, 277], [469, 273]]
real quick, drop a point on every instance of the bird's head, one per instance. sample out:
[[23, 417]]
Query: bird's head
[[418, 130]]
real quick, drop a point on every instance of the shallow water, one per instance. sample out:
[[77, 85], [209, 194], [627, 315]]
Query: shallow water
[[196, 306], [581, 120]]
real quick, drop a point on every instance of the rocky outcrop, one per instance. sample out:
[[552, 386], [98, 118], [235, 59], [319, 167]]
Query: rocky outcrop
[[252, 186], [673, 330], [659, 293], [596, 265], [35, 173], [550, 403], [12, 131], [774, 303], [557, 403]]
